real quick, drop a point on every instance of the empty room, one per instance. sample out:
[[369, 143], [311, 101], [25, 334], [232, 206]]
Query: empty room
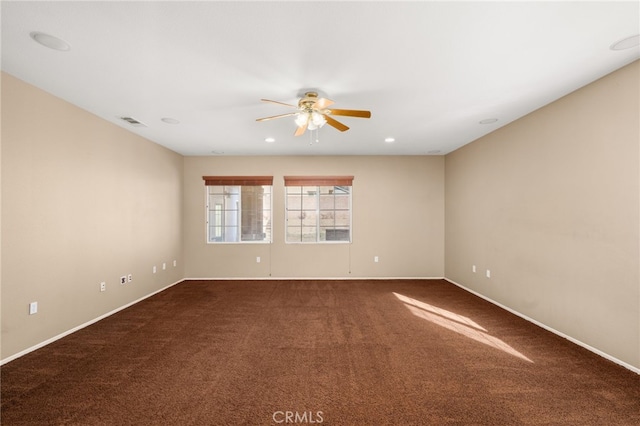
[[320, 212]]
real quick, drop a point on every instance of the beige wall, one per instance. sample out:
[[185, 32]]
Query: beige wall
[[550, 204], [84, 201], [398, 215]]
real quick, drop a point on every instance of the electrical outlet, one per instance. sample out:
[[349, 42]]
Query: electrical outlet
[[33, 308], [155, 269], [375, 259], [175, 263], [258, 259], [473, 268], [123, 280], [488, 273], [164, 266], [130, 278], [103, 286]]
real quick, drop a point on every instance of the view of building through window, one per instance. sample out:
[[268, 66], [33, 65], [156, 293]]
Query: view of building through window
[[318, 213], [238, 213]]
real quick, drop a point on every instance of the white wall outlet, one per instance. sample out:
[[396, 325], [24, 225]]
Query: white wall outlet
[[375, 259], [130, 277], [103, 286], [164, 265], [175, 263], [33, 308], [155, 269], [258, 259], [123, 280], [488, 273], [473, 268]]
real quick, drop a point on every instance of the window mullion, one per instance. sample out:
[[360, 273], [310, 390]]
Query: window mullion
[[239, 218], [317, 214]]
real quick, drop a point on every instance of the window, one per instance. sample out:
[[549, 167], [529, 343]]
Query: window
[[318, 209], [238, 209]]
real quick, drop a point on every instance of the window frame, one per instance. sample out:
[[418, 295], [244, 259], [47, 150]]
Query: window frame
[[314, 183], [240, 181]]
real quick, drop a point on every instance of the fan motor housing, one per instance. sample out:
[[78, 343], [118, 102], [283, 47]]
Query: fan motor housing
[[307, 102]]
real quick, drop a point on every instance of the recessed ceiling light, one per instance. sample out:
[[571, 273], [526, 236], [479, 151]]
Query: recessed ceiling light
[[269, 140], [626, 43], [170, 120], [50, 41], [389, 140], [488, 121]]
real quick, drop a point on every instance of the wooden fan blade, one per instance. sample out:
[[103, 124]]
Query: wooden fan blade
[[350, 113], [276, 116], [300, 130], [335, 123], [279, 103], [322, 103]]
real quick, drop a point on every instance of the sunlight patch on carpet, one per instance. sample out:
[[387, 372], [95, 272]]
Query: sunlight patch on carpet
[[457, 323]]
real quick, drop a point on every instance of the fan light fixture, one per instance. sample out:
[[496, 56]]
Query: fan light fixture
[[312, 119]]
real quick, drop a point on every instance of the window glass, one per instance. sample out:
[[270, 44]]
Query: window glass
[[238, 213], [318, 214]]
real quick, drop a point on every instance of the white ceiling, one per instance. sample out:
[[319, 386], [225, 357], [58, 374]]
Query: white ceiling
[[428, 71]]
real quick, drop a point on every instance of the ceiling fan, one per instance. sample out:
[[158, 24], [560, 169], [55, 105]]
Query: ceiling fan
[[313, 113]]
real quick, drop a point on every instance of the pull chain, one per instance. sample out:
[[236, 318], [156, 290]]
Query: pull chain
[[317, 136]]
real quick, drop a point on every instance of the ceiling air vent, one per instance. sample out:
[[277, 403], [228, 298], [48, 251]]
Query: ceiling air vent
[[133, 121]]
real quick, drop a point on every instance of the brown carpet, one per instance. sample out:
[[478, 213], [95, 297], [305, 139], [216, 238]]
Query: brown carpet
[[352, 352]]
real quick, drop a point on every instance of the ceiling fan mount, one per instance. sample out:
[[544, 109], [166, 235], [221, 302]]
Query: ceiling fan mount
[[313, 113], [308, 101]]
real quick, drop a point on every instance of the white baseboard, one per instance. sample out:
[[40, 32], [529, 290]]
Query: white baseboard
[[546, 327], [81, 326]]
